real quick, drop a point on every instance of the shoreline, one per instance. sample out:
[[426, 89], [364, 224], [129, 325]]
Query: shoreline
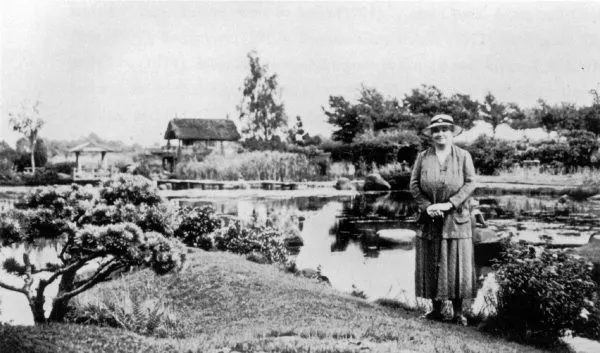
[[327, 189]]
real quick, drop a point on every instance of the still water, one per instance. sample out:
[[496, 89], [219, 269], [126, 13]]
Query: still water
[[340, 234], [340, 237]]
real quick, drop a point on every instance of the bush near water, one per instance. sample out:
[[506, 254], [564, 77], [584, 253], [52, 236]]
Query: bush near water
[[544, 294]]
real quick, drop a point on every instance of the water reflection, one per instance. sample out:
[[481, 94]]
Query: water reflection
[[341, 238], [341, 234]]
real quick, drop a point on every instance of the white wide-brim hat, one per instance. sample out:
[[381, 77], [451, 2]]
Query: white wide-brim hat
[[442, 120]]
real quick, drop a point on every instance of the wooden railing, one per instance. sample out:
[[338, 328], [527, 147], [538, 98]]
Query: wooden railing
[[7, 204], [91, 173]]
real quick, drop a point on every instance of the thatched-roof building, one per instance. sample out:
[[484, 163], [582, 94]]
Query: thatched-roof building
[[195, 132], [190, 130]]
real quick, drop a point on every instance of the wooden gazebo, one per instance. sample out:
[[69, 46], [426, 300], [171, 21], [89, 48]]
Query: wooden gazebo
[[90, 147]]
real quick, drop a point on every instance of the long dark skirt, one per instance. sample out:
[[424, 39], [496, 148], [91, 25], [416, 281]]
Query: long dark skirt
[[445, 269]]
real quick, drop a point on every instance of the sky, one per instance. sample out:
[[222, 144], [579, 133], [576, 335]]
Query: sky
[[123, 69]]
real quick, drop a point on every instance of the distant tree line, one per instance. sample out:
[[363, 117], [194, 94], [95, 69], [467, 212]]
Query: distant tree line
[[378, 130]]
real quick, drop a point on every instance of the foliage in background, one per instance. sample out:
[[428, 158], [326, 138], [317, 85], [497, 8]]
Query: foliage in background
[[428, 100], [62, 167], [372, 113], [90, 229], [296, 135], [27, 122], [397, 174], [258, 165], [490, 154], [543, 294], [261, 111], [380, 149], [23, 158], [497, 113]]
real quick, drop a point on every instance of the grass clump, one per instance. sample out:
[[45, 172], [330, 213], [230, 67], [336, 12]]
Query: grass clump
[[257, 165]]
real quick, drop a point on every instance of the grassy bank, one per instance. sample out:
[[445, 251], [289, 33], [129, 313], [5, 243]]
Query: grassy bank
[[222, 301]]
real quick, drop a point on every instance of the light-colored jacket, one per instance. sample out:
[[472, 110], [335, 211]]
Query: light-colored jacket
[[453, 181]]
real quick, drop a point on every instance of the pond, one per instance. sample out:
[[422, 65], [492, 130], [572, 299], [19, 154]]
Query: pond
[[341, 239], [340, 235]]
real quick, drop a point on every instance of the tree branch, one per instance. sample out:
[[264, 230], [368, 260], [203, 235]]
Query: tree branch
[[99, 276], [98, 271], [69, 242], [13, 288], [73, 266]]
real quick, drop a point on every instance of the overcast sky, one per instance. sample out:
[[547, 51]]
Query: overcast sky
[[123, 69]]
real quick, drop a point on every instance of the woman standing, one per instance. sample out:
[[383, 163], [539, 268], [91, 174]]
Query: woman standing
[[442, 180]]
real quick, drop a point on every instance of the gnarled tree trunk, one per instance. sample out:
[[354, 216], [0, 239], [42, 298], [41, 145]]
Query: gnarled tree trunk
[[60, 306]]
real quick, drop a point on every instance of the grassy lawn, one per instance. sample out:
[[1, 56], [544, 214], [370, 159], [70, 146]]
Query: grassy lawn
[[223, 302]]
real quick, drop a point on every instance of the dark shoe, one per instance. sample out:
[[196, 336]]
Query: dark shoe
[[434, 316], [460, 320]]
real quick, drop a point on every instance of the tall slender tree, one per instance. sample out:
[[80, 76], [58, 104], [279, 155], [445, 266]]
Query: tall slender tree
[[261, 111], [28, 122]]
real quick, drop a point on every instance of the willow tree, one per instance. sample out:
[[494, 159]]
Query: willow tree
[[27, 121], [261, 111]]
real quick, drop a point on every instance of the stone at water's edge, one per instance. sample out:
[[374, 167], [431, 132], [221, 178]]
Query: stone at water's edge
[[257, 257], [484, 235], [344, 184], [591, 252], [398, 236], [293, 241], [594, 198], [487, 246], [374, 182]]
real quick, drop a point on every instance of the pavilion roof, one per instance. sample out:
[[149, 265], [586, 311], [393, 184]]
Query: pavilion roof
[[91, 147]]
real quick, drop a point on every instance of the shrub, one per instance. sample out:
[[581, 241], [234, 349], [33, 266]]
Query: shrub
[[342, 169], [244, 239], [368, 149], [131, 189], [65, 202], [7, 174], [62, 167], [43, 176], [157, 218], [490, 154], [397, 174], [542, 296], [547, 152], [196, 225], [22, 159], [582, 146]]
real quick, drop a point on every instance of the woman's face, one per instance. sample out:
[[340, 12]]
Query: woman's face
[[442, 135]]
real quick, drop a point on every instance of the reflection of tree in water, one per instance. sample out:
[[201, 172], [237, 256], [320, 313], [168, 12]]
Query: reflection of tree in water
[[313, 203], [391, 205], [364, 215]]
